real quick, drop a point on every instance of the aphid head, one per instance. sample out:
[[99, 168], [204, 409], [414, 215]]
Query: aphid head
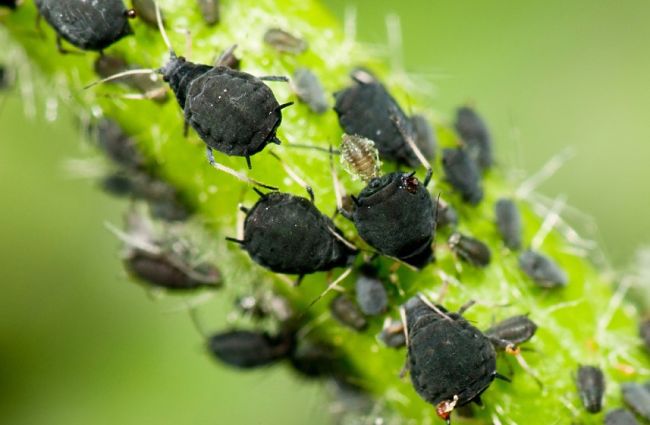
[[360, 157]]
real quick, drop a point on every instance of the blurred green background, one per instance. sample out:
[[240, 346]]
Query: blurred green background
[[80, 344]]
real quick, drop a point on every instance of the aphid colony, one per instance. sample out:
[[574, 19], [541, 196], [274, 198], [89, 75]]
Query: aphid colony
[[451, 361]]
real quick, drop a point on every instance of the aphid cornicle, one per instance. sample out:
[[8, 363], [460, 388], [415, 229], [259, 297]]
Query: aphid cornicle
[[249, 349], [347, 313], [394, 213], [620, 417], [461, 172], [88, 25], [508, 222], [370, 292], [590, 382], [637, 397], [367, 109], [470, 250], [516, 329], [451, 362], [475, 135], [288, 234], [543, 270]]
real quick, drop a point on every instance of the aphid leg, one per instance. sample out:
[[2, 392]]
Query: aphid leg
[[515, 351], [294, 176], [224, 55], [331, 286], [248, 162], [275, 78], [234, 173], [408, 138], [186, 130], [406, 367], [298, 280], [497, 375], [63, 50], [235, 240]]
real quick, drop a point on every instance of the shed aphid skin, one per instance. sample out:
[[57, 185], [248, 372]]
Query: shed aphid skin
[[145, 10], [211, 11], [425, 138], [360, 157], [309, 90], [542, 270], [462, 173], [87, 25], [451, 362], [370, 292], [590, 382], [367, 109], [149, 86], [620, 417], [345, 311], [284, 42], [637, 398], [644, 333], [476, 137], [470, 250], [508, 222], [232, 112], [249, 349]]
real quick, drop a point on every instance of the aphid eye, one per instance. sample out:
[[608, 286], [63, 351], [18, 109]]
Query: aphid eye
[[411, 183], [130, 13]]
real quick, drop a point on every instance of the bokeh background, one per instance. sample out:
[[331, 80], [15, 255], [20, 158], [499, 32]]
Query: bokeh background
[[80, 344]]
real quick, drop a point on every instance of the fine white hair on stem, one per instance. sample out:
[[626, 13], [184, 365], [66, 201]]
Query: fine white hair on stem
[[350, 24], [547, 170], [549, 222], [395, 42]]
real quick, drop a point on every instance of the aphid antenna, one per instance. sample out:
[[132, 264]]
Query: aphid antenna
[[409, 140], [433, 307], [330, 287], [229, 51], [161, 28], [549, 222], [294, 176], [234, 173], [132, 241], [121, 75]]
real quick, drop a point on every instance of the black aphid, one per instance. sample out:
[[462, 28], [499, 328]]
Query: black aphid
[[475, 135], [461, 172], [543, 270], [446, 214], [249, 349], [370, 292], [367, 109], [393, 213], [516, 330], [620, 417], [470, 250], [211, 11], [87, 25], [285, 42], [590, 382], [425, 138], [392, 334], [315, 359], [119, 147], [451, 362], [637, 397], [150, 86], [287, 234], [146, 11], [232, 111], [11, 4], [5, 80], [508, 222], [309, 90], [347, 313], [644, 333]]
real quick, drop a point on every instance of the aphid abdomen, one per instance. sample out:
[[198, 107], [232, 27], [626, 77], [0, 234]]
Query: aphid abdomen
[[233, 112]]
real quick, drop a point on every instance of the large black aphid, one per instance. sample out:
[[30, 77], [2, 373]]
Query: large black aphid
[[232, 111], [89, 25]]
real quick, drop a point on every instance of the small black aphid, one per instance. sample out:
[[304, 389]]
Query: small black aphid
[[620, 417], [88, 25], [309, 90], [249, 349], [167, 270], [370, 292], [367, 109], [637, 397], [284, 42], [590, 382], [475, 135], [11, 4], [119, 147], [515, 330], [543, 270], [347, 313], [315, 359], [4, 78], [146, 11], [470, 250], [644, 333], [425, 138], [150, 86], [508, 222], [287, 234], [451, 362], [446, 214], [462, 174], [211, 11], [392, 334]]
